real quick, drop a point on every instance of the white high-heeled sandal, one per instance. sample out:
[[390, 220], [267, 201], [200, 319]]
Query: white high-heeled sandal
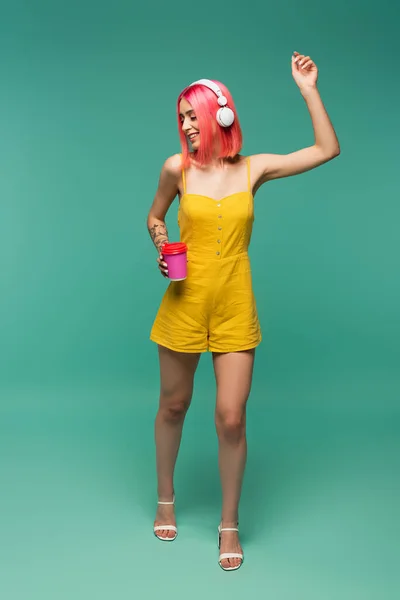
[[166, 527], [225, 555]]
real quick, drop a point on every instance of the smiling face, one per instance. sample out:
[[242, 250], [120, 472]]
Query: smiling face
[[189, 123], [197, 108]]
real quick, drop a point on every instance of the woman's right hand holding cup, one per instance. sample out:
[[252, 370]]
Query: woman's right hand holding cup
[[172, 260], [162, 265]]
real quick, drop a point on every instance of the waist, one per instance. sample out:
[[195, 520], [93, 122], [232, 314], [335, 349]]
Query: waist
[[210, 271], [203, 257]]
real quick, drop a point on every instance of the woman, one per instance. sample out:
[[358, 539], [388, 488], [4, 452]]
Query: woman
[[213, 308]]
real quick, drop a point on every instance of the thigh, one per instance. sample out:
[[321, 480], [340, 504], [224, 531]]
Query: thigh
[[234, 326], [233, 373], [181, 322], [177, 371]]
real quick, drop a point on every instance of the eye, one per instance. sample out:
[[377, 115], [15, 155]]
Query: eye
[[193, 118]]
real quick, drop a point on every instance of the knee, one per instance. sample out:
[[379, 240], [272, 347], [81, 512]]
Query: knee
[[174, 406], [231, 426]]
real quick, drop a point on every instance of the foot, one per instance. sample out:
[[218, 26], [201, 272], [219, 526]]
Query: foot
[[165, 516], [230, 543]]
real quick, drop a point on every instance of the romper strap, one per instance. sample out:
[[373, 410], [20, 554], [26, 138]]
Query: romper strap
[[248, 174], [183, 178]]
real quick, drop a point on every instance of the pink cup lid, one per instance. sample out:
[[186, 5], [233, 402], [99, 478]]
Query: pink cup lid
[[174, 248]]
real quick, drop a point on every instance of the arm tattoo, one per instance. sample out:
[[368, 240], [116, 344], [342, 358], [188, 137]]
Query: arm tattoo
[[159, 234]]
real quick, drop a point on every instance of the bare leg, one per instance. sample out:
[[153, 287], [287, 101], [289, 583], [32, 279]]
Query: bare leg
[[177, 375], [233, 373]]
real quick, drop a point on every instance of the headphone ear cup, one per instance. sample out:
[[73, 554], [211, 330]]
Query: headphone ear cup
[[225, 116]]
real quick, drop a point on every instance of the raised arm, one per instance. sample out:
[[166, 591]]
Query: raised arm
[[326, 145], [166, 191]]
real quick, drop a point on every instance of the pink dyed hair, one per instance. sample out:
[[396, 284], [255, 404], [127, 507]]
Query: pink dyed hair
[[228, 140]]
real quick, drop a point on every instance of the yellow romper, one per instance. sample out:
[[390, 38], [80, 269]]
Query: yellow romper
[[213, 309]]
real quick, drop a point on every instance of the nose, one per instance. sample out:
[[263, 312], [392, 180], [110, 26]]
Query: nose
[[186, 125]]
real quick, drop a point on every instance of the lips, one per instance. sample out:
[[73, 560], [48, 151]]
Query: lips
[[192, 136]]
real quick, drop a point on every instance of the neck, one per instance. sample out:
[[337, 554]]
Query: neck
[[216, 162]]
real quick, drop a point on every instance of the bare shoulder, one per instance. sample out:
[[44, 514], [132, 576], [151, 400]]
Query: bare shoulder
[[265, 167], [168, 186], [258, 162], [172, 166]]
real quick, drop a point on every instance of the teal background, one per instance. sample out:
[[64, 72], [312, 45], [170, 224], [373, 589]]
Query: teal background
[[87, 117]]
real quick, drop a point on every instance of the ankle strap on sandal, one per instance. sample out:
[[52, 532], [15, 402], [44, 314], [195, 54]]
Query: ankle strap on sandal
[[173, 501]]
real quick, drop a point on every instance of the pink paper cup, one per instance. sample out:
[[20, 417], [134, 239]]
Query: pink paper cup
[[175, 255]]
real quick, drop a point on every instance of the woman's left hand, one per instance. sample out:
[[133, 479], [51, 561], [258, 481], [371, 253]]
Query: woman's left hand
[[304, 71]]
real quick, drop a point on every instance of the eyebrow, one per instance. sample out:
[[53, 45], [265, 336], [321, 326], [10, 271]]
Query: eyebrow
[[187, 112]]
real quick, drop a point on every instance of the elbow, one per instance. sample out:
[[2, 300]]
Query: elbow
[[154, 220], [151, 218], [330, 153], [336, 151]]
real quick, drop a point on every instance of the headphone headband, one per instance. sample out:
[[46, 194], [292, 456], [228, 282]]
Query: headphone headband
[[225, 115], [222, 101]]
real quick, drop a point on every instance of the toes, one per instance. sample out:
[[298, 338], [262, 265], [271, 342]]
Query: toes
[[165, 533], [225, 563], [231, 563], [160, 533]]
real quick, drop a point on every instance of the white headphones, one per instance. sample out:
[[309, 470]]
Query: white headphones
[[225, 115]]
